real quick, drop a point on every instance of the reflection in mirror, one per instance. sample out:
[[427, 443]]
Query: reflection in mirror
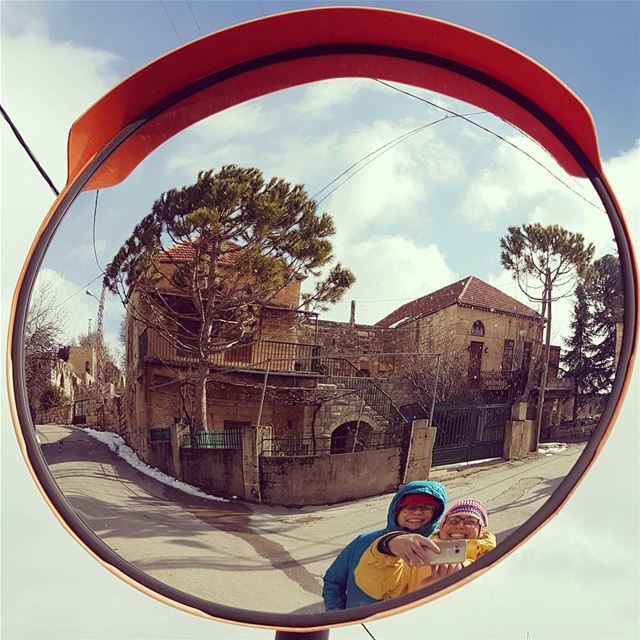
[[268, 364]]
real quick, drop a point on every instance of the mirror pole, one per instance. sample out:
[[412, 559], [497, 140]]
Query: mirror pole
[[303, 635]]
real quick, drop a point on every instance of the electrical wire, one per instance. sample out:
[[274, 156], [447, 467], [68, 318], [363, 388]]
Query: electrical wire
[[78, 291], [171, 21], [95, 211], [30, 153], [497, 135], [504, 621], [194, 18], [262, 9], [377, 153], [367, 630]]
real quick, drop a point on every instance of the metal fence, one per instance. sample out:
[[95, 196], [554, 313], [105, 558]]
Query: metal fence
[[227, 439], [295, 446], [469, 432]]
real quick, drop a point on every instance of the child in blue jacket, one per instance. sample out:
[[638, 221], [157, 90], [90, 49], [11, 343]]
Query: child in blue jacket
[[417, 507]]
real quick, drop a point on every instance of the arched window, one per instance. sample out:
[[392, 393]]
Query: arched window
[[477, 328]]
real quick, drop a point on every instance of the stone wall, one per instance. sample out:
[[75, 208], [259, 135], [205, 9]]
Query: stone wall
[[349, 339], [307, 480], [346, 408], [56, 415]]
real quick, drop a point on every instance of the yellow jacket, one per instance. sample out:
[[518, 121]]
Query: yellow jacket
[[383, 577]]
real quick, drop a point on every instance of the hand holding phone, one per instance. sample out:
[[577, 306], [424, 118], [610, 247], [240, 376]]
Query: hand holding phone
[[451, 552], [418, 550]]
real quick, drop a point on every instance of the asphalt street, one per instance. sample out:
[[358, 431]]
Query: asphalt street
[[256, 556]]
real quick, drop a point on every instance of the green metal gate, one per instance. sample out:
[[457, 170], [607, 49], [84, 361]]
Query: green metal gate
[[469, 432], [79, 412]]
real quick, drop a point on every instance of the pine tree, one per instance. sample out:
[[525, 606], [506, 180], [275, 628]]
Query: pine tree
[[269, 232], [577, 361], [549, 260], [607, 297]]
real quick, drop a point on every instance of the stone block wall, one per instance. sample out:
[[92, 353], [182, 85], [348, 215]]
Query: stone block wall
[[56, 415], [349, 339]]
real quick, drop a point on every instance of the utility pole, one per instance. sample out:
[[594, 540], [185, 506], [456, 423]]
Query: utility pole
[[100, 355]]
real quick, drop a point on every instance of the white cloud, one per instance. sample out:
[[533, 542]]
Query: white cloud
[[623, 172], [222, 138], [389, 271], [26, 88], [322, 99], [396, 186]]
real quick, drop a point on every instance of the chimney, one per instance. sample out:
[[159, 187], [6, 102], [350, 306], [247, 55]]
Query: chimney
[[352, 319]]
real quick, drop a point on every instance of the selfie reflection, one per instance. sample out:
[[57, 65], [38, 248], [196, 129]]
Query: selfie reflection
[[324, 348]]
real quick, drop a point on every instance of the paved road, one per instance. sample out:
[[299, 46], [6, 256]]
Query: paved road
[[223, 551]]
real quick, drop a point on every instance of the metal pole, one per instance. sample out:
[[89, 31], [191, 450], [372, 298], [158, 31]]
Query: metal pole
[[303, 635], [435, 391], [264, 390]]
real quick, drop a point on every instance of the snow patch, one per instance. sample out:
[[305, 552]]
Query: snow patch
[[117, 444], [549, 448]]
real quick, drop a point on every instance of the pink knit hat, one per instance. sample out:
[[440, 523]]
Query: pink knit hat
[[469, 507]]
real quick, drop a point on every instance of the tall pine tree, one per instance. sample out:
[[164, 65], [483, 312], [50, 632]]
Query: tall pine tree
[[247, 239], [607, 297], [578, 362]]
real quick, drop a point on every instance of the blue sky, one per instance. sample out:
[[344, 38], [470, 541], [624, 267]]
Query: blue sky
[[59, 57], [403, 219]]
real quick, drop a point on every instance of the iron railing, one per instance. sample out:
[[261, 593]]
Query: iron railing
[[340, 371], [227, 439], [255, 355], [295, 446]]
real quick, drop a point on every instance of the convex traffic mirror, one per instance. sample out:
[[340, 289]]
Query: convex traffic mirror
[[328, 254]]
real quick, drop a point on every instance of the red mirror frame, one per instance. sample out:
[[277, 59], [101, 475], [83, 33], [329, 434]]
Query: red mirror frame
[[255, 58]]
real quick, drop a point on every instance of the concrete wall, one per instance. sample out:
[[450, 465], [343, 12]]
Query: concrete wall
[[216, 471], [308, 480], [160, 456], [420, 453]]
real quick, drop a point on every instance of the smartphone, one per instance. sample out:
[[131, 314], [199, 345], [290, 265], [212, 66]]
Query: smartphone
[[451, 551]]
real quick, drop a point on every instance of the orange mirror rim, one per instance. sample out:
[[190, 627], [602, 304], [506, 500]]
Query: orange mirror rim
[[255, 58]]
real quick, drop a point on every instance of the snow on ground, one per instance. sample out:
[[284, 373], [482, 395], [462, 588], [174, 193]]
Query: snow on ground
[[549, 448], [117, 444]]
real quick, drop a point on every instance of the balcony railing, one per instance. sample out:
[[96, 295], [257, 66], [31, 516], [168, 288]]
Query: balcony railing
[[256, 355]]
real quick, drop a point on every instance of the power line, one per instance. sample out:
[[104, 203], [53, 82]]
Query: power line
[[376, 153], [262, 9], [497, 135], [95, 211], [78, 291], [386, 146], [367, 630], [194, 17], [497, 606], [25, 146], [171, 21]]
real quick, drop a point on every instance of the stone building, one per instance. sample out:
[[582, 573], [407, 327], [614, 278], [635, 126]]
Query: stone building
[[311, 381]]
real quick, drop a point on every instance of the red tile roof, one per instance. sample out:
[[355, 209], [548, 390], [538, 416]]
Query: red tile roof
[[184, 252], [468, 292]]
